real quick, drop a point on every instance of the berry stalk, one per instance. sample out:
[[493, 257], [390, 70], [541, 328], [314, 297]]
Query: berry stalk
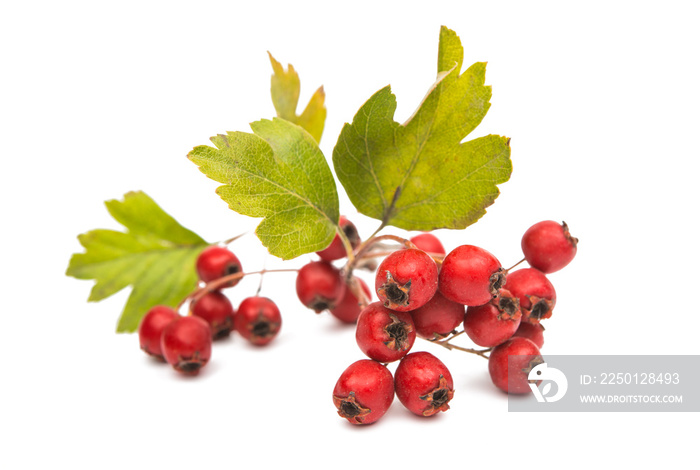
[[223, 281], [446, 343], [364, 250]]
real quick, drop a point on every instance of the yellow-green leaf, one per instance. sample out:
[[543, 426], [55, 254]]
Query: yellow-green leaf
[[280, 174], [285, 97], [420, 175], [155, 256]]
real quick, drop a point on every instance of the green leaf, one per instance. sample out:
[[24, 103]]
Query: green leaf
[[420, 175], [280, 174], [285, 97], [156, 256]]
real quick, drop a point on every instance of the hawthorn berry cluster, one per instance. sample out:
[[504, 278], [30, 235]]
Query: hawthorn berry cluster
[[185, 342], [427, 293], [423, 292]]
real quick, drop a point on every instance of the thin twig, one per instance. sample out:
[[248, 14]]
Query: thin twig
[[222, 281], [257, 292], [516, 264], [445, 343], [233, 239]]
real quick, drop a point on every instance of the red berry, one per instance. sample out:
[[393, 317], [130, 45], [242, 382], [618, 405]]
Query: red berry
[[471, 275], [494, 322], [320, 286], [406, 280], [186, 344], [423, 384], [364, 392], [384, 335], [526, 355], [548, 246], [216, 309], [215, 262], [348, 309], [258, 320], [151, 329], [428, 243], [535, 292], [438, 318], [532, 331], [336, 249]]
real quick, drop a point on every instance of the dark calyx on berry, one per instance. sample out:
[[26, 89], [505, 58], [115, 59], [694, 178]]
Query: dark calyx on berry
[[224, 330], [541, 308], [319, 304], [261, 328], [567, 234], [395, 293], [509, 305], [438, 398], [232, 268], [398, 332], [189, 367], [264, 328], [349, 408], [497, 280]]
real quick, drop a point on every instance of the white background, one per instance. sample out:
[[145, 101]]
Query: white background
[[601, 102]]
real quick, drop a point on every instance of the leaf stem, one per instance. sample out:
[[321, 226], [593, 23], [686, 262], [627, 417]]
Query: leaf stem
[[379, 229], [371, 239]]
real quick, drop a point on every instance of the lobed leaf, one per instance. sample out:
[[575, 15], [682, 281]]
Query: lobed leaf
[[285, 97], [156, 256], [277, 173], [419, 175]]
